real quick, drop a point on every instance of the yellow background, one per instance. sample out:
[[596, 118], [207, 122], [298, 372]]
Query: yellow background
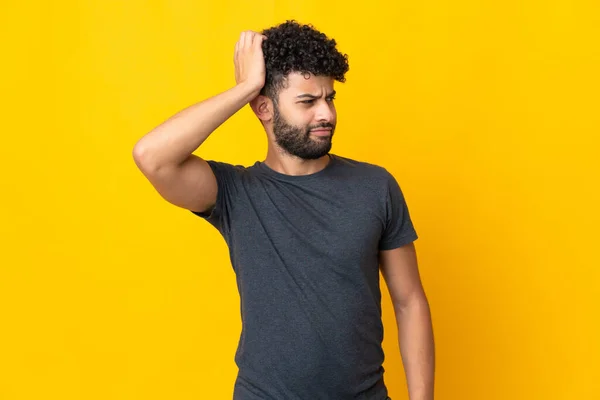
[[488, 113]]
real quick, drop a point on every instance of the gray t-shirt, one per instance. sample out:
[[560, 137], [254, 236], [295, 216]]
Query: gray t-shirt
[[305, 253]]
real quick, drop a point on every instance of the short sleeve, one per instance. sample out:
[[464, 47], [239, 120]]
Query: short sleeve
[[227, 176], [399, 229]]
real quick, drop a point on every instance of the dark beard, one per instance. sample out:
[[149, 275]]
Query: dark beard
[[297, 142]]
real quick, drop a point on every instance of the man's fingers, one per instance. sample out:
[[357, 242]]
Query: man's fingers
[[259, 39], [242, 40], [247, 40], [251, 38]]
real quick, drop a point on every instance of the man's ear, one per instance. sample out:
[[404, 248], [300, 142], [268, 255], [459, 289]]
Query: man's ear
[[262, 107]]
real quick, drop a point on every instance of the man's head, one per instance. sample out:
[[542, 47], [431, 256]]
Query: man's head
[[302, 65]]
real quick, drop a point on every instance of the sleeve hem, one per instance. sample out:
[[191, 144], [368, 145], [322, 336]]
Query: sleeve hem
[[398, 242], [204, 214]]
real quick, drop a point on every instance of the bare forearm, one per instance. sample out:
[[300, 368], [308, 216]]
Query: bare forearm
[[172, 142], [415, 335]]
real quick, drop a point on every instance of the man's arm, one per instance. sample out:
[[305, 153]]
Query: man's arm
[[164, 155], [399, 268]]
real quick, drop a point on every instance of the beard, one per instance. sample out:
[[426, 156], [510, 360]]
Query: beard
[[298, 141]]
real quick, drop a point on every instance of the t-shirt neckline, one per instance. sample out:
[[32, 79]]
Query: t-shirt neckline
[[271, 172]]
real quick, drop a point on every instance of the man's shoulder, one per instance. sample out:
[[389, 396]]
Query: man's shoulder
[[347, 166], [363, 168], [230, 167]]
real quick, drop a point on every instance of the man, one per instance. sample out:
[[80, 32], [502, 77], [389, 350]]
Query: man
[[308, 230]]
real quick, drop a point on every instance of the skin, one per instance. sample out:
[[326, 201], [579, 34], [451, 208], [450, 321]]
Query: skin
[[165, 157]]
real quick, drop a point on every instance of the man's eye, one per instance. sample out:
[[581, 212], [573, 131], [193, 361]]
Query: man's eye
[[312, 100]]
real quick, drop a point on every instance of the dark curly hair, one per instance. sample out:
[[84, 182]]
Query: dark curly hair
[[293, 47]]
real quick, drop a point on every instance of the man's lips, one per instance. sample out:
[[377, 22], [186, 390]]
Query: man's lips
[[321, 131]]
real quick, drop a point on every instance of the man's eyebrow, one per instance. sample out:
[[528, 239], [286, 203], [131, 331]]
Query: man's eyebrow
[[310, 96]]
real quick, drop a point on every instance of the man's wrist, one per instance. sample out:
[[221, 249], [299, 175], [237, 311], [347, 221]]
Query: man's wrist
[[250, 91]]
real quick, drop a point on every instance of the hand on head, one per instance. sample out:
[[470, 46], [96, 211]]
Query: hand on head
[[249, 60]]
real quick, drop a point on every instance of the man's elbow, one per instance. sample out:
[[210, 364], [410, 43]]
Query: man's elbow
[[415, 301]]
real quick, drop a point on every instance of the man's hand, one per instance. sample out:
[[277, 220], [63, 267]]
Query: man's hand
[[249, 61]]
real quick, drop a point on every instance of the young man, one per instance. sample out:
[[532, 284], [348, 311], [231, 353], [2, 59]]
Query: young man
[[308, 230]]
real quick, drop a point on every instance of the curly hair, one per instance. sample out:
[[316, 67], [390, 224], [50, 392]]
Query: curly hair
[[293, 47]]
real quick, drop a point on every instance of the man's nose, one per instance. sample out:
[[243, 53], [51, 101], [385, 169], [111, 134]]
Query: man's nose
[[324, 112]]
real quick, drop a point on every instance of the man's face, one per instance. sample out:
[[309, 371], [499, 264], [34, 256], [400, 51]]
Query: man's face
[[304, 117]]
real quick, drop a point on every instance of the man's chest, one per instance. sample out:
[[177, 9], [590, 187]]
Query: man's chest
[[298, 222]]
